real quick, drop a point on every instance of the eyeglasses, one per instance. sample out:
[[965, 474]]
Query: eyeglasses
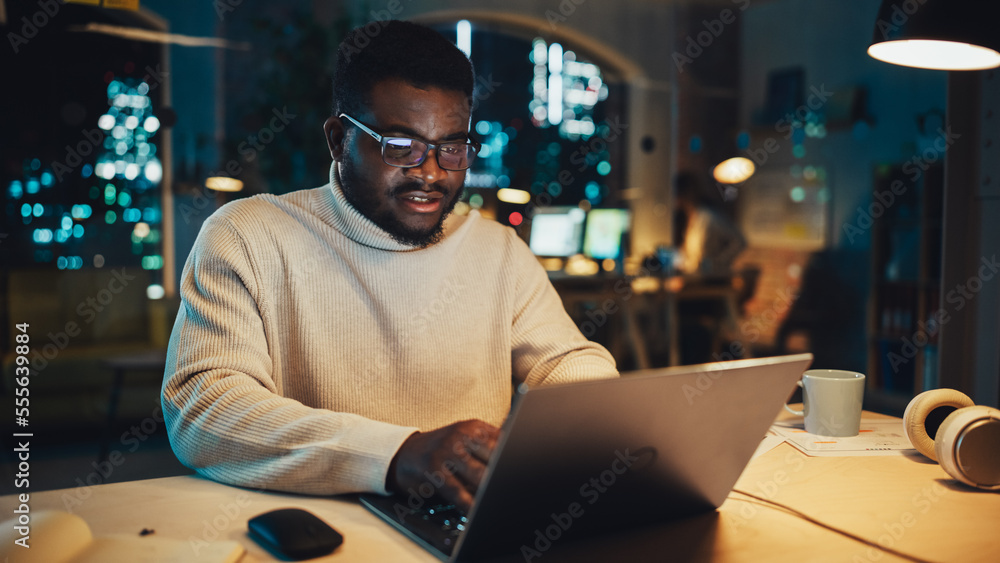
[[404, 152]]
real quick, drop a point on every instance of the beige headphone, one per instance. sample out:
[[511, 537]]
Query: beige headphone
[[946, 426]]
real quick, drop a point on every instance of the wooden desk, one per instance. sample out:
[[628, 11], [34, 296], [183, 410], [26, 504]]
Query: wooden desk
[[678, 289], [611, 294], [906, 503]]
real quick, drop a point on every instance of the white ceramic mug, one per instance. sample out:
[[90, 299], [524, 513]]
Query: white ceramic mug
[[831, 400]]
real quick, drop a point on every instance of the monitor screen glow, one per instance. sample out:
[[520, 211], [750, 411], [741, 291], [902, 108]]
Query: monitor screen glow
[[603, 236], [557, 232]]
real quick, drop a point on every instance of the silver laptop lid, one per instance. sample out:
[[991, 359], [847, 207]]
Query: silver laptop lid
[[598, 456]]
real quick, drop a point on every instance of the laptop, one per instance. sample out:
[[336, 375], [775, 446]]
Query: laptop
[[579, 459]]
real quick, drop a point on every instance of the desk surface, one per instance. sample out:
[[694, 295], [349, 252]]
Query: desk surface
[[903, 502]]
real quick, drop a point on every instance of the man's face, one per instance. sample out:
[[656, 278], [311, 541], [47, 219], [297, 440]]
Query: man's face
[[408, 203]]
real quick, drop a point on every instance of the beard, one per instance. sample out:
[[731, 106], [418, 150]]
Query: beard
[[364, 198]]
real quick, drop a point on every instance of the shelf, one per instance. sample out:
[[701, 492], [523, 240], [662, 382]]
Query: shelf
[[899, 365], [896, 337]]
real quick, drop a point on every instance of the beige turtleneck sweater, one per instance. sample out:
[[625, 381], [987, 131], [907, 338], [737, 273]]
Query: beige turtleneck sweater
[[309, 345]]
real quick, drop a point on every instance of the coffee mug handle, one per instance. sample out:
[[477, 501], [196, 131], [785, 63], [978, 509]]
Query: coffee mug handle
[[796, 413]]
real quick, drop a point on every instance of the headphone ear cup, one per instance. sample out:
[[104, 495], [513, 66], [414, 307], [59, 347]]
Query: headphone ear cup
[[968, 446], [926, 412]]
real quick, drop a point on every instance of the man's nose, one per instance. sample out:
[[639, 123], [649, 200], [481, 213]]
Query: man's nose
[[429, 170]]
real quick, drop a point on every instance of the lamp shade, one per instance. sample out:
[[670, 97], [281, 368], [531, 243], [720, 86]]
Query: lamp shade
[[223, 184], [734, 170], [938, 34]]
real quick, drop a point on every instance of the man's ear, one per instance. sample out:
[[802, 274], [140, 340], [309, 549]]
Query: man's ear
[[334, 129]]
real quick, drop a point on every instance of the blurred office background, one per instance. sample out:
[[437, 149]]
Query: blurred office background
[[867, 215]]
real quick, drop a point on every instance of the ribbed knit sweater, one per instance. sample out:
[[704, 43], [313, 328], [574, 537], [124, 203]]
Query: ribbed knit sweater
[[309, 344]]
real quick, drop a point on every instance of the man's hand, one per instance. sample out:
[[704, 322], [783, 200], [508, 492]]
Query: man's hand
[[451, 459]]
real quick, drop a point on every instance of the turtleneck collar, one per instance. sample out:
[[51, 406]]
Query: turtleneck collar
[[335, 210]]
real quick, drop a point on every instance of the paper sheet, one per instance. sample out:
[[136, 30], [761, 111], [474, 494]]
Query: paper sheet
[[877, 437], [769, 442]]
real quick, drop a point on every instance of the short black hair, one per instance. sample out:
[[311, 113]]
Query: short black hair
[[382, 50]]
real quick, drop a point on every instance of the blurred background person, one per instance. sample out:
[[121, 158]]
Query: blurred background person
[[710, 241]]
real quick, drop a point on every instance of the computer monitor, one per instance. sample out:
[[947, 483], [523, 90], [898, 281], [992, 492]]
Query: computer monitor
[[603, 235], [557, 231]]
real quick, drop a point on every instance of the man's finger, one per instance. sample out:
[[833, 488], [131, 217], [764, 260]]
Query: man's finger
[[457, 493], [481, 442], [470, 472]]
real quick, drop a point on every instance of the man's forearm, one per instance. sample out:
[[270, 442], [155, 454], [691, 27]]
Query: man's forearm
[[227, 430]]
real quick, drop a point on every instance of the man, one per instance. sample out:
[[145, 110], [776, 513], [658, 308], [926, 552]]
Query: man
[[356, 337]]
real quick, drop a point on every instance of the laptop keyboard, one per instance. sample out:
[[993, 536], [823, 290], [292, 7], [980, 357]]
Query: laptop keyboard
[[439, 525], [442, 523]]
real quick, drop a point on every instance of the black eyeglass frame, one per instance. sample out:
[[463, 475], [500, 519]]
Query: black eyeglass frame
[[384, 140]]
